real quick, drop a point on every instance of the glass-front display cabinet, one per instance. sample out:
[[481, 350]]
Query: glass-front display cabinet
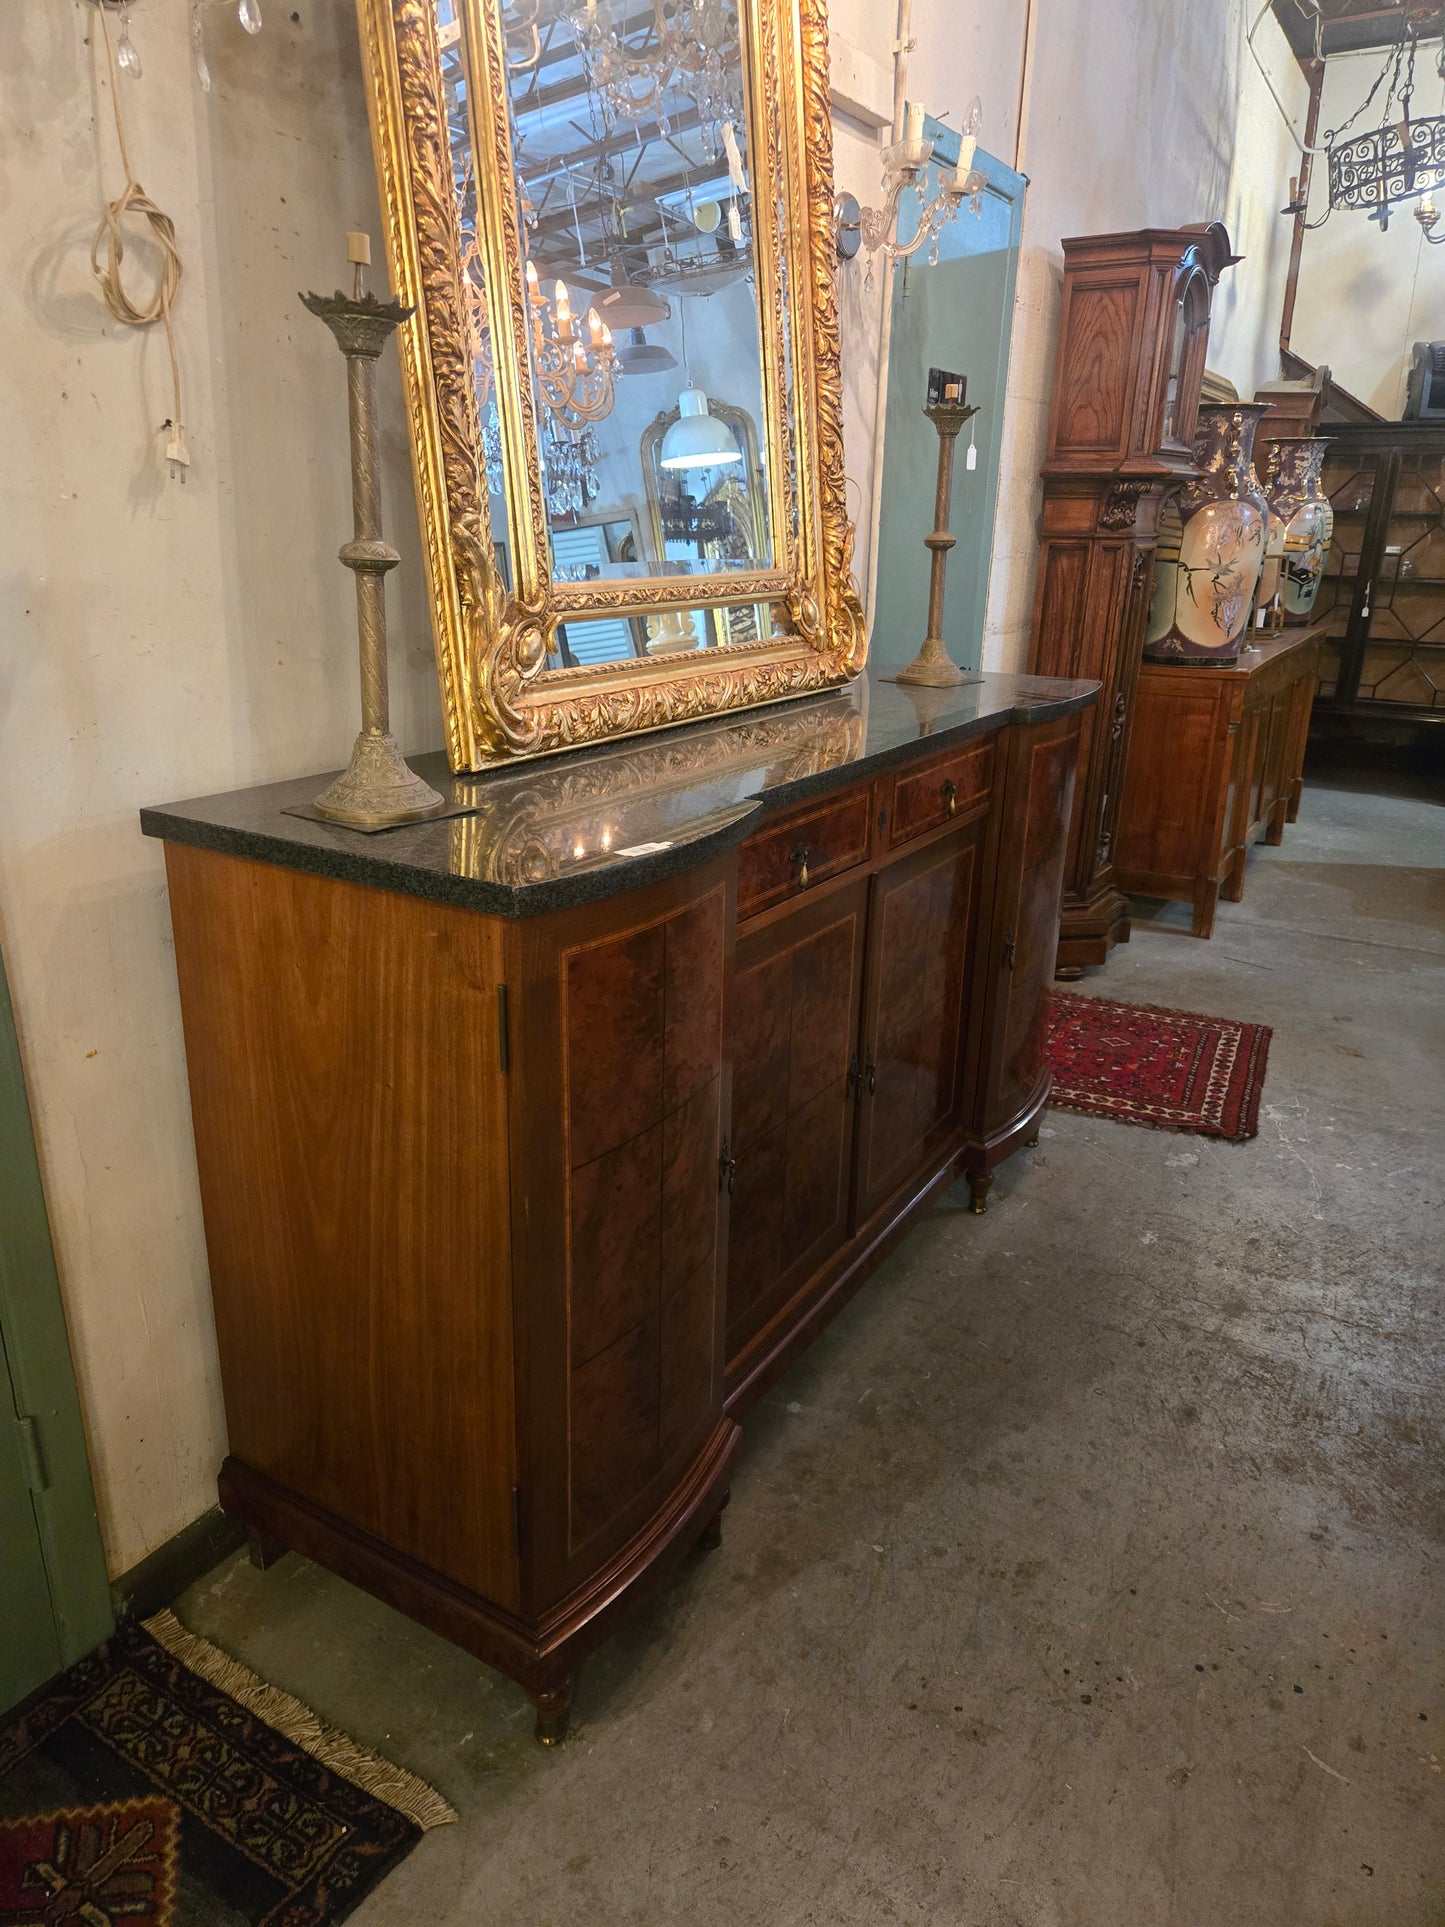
[[1383, 594]]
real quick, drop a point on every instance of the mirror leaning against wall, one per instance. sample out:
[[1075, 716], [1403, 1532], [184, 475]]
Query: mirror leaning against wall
[[614, 224]]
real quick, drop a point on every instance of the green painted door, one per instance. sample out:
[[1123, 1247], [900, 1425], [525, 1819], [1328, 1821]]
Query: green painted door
[[956, 315], [29, 1647], [54, 1599]]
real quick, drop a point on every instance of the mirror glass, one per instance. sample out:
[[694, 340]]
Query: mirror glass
[[630, 141]]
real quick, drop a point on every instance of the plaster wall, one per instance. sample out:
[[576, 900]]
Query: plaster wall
[[1141, 113], [1364, 296], [159, 640]]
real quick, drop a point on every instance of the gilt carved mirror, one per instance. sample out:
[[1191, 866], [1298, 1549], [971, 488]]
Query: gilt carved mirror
[[613, 219]]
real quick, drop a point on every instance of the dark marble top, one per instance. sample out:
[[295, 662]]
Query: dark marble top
[[568, 829]]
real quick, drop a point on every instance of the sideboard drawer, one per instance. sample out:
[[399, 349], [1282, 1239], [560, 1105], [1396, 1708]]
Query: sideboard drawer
[[806, 847], [943, 788]]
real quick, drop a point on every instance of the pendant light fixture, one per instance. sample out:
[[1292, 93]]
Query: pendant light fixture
[[639, 356], [625, 305], [697, 439]]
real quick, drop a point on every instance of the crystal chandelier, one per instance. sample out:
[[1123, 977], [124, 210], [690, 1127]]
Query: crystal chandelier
[[694, 46], [569, 463], [905, 163], [127, 58], [576, 379], [248, 12]]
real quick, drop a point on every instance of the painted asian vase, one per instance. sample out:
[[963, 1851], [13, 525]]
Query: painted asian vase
[[1297, 500], [1211, 544]]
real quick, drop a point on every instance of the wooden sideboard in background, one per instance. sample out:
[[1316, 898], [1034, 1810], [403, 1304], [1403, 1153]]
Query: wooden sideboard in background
[[1214, 763]]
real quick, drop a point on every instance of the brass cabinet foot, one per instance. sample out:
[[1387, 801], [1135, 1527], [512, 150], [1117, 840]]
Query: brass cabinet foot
[[554, 1709], [1032, 1143], [979, 1185], [261, 1549]]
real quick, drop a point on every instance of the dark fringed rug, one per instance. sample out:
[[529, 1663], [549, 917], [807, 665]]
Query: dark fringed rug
[[1173, 1069], [159, 1781]]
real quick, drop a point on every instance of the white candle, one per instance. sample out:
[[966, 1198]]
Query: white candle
[[913, 123]]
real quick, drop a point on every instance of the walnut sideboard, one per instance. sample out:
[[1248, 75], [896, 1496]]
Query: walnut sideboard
[[534, 1141], [1214, 763]]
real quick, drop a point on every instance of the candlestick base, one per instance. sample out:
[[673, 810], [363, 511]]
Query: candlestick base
[[933, 668], [378, 789]]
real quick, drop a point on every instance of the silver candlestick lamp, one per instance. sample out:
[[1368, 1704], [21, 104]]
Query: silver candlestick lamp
[[377, 788]]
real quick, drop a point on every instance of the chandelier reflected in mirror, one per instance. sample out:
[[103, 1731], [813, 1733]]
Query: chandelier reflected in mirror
[[632, 66]]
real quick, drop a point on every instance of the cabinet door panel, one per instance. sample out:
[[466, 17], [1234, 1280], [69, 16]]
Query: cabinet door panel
[[1026, 920], [921, 935], [619, 1088], [793, 1034]]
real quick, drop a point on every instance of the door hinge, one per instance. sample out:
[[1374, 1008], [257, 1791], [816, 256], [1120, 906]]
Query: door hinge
[[855, 1074], [517, 1520], [31, 1454], [1008, 949], [727, 1170], [504, 1030]]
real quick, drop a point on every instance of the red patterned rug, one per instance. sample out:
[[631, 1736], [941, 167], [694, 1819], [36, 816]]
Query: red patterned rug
[[1173, 1069]]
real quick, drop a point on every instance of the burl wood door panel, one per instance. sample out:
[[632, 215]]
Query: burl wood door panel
[[621, 1076], [793, 1037], [921, 936]]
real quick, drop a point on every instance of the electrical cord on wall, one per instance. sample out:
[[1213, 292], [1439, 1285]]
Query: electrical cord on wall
[[110, 241]]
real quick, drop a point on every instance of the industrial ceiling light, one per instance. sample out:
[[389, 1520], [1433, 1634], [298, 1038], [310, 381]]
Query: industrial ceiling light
[[697, 439], [639, 356], [624, 305]]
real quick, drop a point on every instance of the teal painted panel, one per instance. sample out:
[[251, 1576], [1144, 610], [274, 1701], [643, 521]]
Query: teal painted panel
[[956, 315]]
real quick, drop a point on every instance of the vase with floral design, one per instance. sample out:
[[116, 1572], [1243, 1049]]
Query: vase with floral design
[[1211, 544], [1297, 500]]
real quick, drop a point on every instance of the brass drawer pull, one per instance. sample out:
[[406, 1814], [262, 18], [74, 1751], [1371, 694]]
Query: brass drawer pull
[[800, 857], [950, 794]]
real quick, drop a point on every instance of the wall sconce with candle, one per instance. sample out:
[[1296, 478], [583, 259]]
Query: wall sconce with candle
[[905, 164]]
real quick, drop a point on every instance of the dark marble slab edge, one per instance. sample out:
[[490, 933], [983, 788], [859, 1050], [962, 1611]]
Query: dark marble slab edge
[[377, 862], [818, 783], [367, 865]]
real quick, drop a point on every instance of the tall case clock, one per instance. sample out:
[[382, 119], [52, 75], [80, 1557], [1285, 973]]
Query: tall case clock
[[1133, 334]]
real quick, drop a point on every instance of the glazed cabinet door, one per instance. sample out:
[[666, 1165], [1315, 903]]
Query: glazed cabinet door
[[793, 1044], [618, 1095], [921, 933]]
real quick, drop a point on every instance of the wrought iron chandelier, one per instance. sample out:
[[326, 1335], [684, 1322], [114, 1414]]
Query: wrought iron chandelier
[[1403, 158]]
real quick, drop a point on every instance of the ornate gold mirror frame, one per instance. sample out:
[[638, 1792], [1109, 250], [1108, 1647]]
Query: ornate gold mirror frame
[[500, 698]]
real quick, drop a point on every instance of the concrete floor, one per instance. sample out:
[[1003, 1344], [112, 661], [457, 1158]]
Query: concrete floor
[[1085, 1573]]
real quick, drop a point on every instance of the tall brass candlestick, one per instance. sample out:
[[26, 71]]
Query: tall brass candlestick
[[377, 788], [933, 666]]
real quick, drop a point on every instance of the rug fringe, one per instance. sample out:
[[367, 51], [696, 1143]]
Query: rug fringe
[[400, 1790]]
